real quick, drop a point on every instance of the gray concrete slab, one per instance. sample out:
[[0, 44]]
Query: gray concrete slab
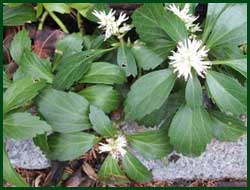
[[221, 159]]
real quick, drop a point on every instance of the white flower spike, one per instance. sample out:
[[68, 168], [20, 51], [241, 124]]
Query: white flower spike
[[110, 25], [190, 54], [187, 18], [116, 147]]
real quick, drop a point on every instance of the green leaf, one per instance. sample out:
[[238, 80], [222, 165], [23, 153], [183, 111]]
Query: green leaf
[[214, 10], [227, 128], [42, 142], [190, 131], [230, 27], [9, 173], [82, 8], [62, 8], [73, 67], [70, 146], [162, 47], [239, 65], [39, 9], [14, 16], [151, 144], [173, 26], [165, 112], [146, 20], [65, 112], [101, 123], [104, 73], [154, 86], [134, 169], [126, 60], [193, 93], [102, 96], [6, 80], [24, 126], [20, 43], [13, 4], [226, 52], [98, 7], [70, 44], [20, 92], [92, 41], [32, 65], [227, 93], [110, 172], [145, 57]]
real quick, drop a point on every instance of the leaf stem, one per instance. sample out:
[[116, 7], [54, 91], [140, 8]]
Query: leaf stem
[[43, 18], [58, 21], [79, 23]]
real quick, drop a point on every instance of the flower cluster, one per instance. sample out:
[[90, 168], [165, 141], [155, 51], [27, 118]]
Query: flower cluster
[[116, 147], [110, 25], [187, 18], [190, 54]]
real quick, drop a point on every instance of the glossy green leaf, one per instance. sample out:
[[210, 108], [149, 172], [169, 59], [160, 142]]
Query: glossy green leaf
[[126, 60], [24, 126], [190, 130], [101, 123], [193, 93], [151, 144], [39, 9], [162, 47], [6, 80], [82, 8], [9, 173], [165, 112], [70, 146], [173, 26], [65, 112], [134, 169], [230, 27], [227, 93], [73, 67], [20, 92], [104, 73], [145, 57], [99, 7], [20, 42], [62, 8], [110, 172], [92, 41], [32, 65], [239, 65], [226, 52], [214, 10], [102, 96], [13, 4], [14, 16], [42, 142], [69, 44], [146, 20], [227, 128], [149, 93]]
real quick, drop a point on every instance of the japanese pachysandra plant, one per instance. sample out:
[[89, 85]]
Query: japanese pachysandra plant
[[205, 65], [188, 79]]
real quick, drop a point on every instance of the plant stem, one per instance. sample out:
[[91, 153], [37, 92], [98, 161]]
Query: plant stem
[[79, 23], [219, 62], [43, 18], [58, 21]]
